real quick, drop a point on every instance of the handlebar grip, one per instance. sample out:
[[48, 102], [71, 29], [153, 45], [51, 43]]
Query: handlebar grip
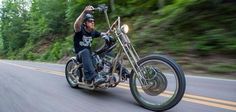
[[101, 8], [98, 9]]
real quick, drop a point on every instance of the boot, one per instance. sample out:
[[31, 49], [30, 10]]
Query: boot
[[98, 80]]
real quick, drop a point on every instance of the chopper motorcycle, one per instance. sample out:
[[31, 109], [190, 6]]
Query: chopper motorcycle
[[156, 81]]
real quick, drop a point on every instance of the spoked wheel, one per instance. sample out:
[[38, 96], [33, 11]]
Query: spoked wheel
[[71, 74], [160, 85]]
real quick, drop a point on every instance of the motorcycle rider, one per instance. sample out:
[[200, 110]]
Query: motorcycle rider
[[84, 33], [84, 28]]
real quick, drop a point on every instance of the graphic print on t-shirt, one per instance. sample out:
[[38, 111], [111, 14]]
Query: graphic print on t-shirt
[[86, 41]]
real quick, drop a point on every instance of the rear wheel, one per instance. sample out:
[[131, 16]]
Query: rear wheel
[[161, 85], [71, 74]]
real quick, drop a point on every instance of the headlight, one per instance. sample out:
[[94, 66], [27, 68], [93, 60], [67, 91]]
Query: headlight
[[125, 28]]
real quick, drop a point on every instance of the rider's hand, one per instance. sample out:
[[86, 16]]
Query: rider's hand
[[103, 33], [106, 37], [89, 8]]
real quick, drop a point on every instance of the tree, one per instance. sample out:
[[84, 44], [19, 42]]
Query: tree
[[46, 17], [13, 18]]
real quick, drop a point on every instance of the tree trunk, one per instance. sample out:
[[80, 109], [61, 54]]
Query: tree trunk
[[112, 4]]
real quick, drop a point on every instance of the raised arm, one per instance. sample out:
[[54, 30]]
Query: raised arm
[[80, 19]]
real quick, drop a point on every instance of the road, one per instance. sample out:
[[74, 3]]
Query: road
[[41, 87]]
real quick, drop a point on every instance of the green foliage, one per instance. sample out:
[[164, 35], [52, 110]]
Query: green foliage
[[13, 16], [24, 52], [22, 25], [59, 49], [222, 68], [46, 17], [210, 28], [1, 43], [31, 56]]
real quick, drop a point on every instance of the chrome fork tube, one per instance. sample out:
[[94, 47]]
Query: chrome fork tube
[[131, 54]]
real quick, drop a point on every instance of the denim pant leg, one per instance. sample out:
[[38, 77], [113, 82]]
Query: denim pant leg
[[86, 59]]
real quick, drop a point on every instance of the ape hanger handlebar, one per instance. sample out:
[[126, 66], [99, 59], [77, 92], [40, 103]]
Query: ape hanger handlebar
[[103, 8]]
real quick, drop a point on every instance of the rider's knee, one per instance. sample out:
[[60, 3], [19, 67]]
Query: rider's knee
[[84, 52]]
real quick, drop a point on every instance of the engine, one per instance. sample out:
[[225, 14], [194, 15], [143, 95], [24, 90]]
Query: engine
[[103, 64]]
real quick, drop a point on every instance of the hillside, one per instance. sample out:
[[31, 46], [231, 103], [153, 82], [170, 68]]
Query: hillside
[[199, 34]]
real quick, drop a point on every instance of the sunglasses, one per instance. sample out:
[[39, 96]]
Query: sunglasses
[[90, 21]]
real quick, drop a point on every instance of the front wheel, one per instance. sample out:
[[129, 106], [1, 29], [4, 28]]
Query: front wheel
[[159, 85]]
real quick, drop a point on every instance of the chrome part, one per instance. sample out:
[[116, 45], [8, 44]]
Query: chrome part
[[86, 86], [72, 72], [130, 53], [175, 75], [157, 73], [156, 81], [107, 19]]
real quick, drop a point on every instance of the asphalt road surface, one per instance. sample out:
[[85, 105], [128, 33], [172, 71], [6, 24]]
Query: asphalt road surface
[[42, 87]]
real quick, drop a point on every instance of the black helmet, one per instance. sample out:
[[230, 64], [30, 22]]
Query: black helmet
[[88, 17]]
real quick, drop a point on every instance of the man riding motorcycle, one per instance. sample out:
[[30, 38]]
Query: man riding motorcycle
[[150, 75], [84, 33]]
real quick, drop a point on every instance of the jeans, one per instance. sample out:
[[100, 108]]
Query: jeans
[[86, 58]]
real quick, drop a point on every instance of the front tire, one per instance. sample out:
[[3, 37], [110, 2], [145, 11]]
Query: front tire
[[153, 98]]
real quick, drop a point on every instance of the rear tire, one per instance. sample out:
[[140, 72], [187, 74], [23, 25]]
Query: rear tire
[[177, 96], [70, 64]]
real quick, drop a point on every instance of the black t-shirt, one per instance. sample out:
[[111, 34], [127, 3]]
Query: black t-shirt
[[83, 39]]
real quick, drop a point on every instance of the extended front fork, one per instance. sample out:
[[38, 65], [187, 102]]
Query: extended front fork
[[132, 56]]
